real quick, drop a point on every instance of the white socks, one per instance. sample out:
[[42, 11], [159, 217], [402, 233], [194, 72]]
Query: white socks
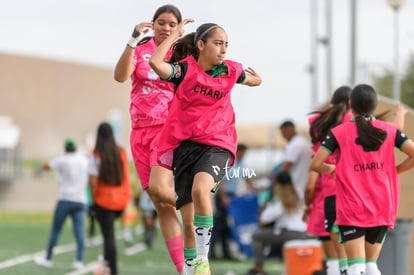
[[332, 267], [372, 269]]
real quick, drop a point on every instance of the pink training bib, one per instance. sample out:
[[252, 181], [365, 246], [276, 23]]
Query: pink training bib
[[150, 96], [201, 111]]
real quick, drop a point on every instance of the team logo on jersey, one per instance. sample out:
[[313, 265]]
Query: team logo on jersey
[[216, 169], [177, 71], [146, 57]]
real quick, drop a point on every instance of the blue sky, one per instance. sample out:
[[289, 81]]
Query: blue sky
[[272, 36]]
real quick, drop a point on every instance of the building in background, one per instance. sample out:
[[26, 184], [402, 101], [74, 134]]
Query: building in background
[[9, 150]]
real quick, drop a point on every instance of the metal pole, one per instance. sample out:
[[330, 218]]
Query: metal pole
[[314, 52], [396, 83], [353, 42], [329, 67]]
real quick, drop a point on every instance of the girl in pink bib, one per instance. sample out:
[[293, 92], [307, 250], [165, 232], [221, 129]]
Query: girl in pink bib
[[199, 137], [367, 178], [321, 189]]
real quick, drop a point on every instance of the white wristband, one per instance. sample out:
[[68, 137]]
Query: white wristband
[[133, 41], [135, 38]]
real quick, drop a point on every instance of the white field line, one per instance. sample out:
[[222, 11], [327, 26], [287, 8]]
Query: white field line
[[29, 257], [60, 249], [135, 249], [86, 269], [138, 248]]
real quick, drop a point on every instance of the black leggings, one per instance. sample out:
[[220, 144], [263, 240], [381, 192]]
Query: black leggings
[[106, 219]]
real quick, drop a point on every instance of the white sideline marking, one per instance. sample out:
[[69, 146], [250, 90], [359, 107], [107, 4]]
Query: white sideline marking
[[30, 257], [17, 260], [138, 248], [135, 249], [60, 249], [93, 265], [86, 269]]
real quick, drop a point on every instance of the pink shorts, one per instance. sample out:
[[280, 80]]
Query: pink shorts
[[144, 142], [316, 221]]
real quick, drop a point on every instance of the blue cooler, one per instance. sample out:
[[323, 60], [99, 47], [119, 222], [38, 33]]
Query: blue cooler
[[243, 215]]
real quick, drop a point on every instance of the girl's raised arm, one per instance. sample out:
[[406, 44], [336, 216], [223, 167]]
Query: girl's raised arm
[[157, 63]]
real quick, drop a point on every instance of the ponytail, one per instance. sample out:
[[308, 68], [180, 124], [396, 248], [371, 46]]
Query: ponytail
[[369, 137], [187, 45], [184, 47], [332, 116], [327, 119], [364, 102]]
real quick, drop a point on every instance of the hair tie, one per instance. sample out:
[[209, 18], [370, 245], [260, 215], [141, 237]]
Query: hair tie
[[365, 116]]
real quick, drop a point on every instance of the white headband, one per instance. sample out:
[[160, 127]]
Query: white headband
[[204, 33]]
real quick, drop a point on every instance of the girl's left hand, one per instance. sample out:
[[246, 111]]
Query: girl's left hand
[[331, 170], [180, 28], [251, 72], [252, 78]]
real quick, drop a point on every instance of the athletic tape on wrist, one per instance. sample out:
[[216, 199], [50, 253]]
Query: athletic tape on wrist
[[133, 42]]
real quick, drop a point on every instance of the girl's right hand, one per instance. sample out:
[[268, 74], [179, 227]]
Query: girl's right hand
[[144, 27], [331, 170]]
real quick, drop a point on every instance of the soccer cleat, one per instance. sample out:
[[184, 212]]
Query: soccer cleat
[[102, 268], [42, 261], [77, 265], [201, 267], [127, 235]]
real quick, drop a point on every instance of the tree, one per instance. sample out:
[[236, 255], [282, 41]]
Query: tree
[[383, 84]]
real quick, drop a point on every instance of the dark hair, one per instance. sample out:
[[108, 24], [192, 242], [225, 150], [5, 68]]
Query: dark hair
[[187, 45], [364, 102], [287, 123], [163, 9], [283, 178], [111, 168], [332, 116], [241, 147], [167, 9], [70, 145]]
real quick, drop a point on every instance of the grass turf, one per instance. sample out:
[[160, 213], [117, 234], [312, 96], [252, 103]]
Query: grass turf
[[28, 233]]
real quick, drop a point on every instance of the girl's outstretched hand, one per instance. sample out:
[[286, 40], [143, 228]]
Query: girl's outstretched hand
[[252, 78], [399, 119], [250, 71]]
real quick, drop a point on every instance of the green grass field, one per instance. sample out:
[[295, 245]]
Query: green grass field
[[22, 236]]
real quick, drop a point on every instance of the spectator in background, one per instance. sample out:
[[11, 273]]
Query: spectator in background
[[92, 239], [284, 210], [226, 191], [297, 157], [72, 199], [109, 183]]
